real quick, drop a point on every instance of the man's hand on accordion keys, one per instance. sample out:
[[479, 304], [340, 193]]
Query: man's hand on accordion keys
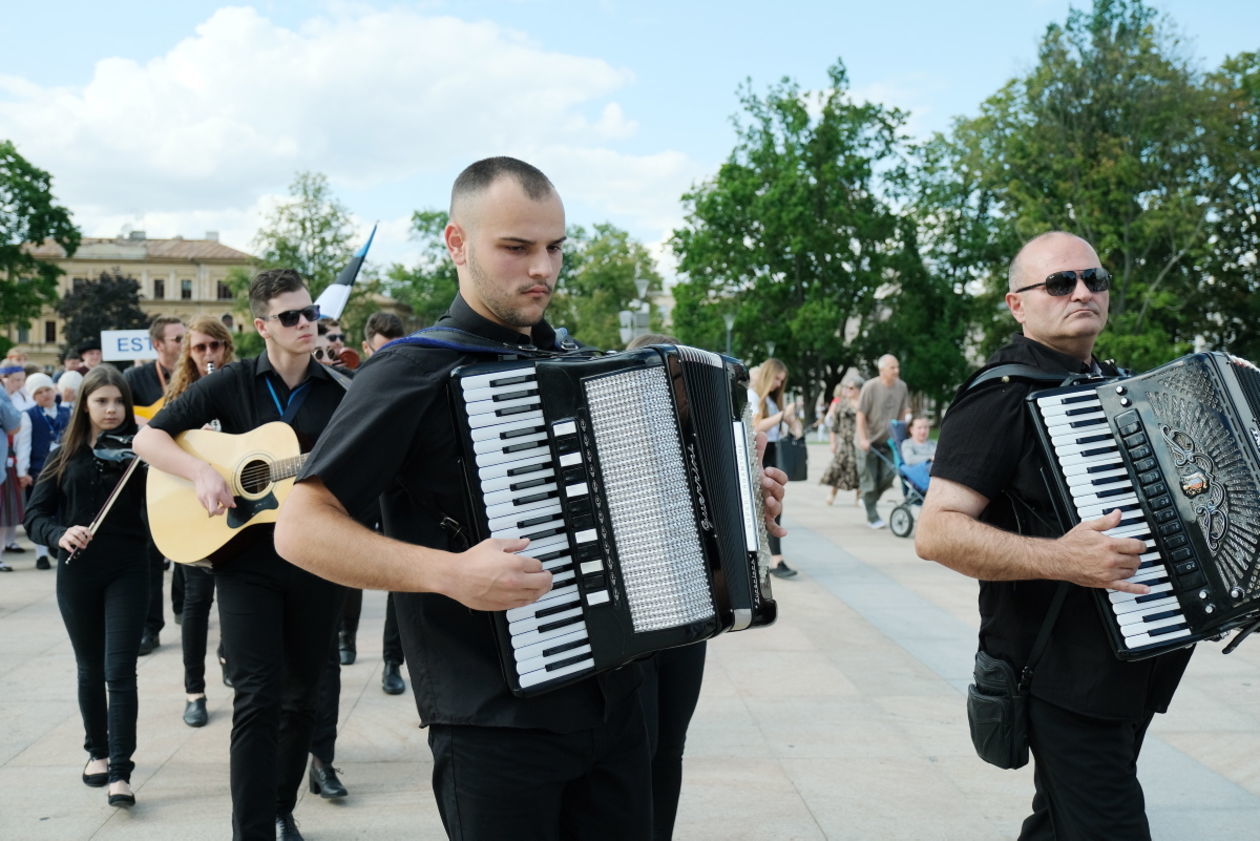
[[1090, 558], [773, 486], [490, 576]]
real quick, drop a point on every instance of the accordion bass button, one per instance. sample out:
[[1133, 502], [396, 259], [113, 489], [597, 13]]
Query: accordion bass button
[[1235, 593]]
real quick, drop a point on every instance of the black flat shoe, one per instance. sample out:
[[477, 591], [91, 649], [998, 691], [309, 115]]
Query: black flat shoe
[[195, 714], [286, 828], [148, 642], [95, 780], [391, 681], [126, 801], [324, 782], [345, 648], [14, 548], [42, 562]]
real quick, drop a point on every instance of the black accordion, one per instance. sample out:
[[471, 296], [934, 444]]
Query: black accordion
[[1177, 449], [634, 476]]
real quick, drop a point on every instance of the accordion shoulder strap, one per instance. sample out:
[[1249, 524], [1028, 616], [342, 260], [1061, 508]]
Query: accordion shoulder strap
[[1013, 370], [452, 338], [1043, 636]]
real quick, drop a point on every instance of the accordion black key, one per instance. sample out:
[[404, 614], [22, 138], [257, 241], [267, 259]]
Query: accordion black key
[[1177, 450], [634, 476]]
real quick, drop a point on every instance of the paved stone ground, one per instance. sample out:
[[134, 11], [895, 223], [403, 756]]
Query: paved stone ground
[[844, 721]]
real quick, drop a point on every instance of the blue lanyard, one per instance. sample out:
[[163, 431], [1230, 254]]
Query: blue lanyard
[[289, 409]]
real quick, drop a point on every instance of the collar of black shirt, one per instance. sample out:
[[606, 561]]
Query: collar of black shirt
[[313, 369], [1024, 349], [461, 316]]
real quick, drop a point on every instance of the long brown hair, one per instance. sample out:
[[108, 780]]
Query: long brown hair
[[763, 386], [186, 372], [79, 431]]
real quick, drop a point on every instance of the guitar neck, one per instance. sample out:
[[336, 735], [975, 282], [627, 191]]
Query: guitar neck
[[285, 468]]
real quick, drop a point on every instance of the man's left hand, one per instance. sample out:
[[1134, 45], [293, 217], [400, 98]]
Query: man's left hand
[[773, 487]]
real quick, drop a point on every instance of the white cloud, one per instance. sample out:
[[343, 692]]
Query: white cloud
[[208, 134]]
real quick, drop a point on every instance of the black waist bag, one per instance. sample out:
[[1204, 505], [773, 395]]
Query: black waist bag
[[997, 712], [997, 703]]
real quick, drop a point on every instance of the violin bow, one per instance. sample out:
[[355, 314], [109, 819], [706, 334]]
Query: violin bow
[[109, 503]]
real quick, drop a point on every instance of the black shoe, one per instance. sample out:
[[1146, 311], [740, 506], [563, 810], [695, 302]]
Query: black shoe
[[5, 567], [126, 801], [14, 548], [227, 681], [195, 714], [324, 782], [345, 648], [42, 562], [148, 642], [391, 681], [782, 570], [95, 780], [286, 828]]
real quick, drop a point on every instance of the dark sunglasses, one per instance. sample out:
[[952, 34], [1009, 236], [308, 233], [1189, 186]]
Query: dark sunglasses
[[205, 346], [1062, 283], [323, 353], [336, 337], [289, 318]]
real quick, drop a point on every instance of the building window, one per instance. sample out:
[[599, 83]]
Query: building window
[[50, 332], [24, 334], [77, 283], [185, 290], [223, 291], [159, 290]]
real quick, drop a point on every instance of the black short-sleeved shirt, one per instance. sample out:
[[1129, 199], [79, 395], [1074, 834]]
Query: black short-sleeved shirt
[[394, 439], [146, 388], [988, 443], [242, 396]]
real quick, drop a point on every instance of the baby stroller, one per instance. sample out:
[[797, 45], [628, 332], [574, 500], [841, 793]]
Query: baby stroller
[[914, 482]]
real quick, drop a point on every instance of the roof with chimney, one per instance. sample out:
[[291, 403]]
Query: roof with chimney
[[136, 246]]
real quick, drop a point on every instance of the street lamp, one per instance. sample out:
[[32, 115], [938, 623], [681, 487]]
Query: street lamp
[[769, 348], [729, 318], [634, 322]]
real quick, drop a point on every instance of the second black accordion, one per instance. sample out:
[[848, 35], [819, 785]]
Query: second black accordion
[[1177, 449], [634, 476]]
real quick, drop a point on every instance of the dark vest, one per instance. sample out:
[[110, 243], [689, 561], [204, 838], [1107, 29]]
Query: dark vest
[[45, 431]]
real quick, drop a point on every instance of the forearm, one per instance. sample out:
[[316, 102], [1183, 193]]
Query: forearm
[[978, 550], [159, 449], [315, 533]]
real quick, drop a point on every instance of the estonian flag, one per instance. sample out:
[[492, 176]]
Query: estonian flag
[[333, 299]]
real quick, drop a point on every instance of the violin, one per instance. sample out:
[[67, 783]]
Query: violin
[[115, 448]]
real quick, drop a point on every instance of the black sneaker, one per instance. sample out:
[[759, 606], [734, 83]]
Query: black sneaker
[[148, 642], [782, 570], [42, 562]]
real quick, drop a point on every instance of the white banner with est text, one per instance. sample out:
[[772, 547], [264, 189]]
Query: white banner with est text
[[126, 344]]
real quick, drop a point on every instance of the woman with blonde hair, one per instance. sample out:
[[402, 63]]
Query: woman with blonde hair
[[207, 343], [771, 411]]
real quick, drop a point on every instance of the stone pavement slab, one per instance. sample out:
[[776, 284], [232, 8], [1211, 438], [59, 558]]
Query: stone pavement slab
[[844, 721]]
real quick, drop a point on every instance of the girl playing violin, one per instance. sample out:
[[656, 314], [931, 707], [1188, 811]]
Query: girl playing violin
[[102, 578]]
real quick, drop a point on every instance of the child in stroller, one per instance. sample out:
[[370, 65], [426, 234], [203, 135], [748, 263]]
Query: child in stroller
[[912, 454]]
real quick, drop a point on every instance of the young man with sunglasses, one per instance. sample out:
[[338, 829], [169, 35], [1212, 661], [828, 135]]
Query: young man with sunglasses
[[571, 763], [148, 386], [277, 620], [988, 515]]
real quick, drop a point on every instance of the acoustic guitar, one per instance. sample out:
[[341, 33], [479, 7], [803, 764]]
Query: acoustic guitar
[[259, 467]]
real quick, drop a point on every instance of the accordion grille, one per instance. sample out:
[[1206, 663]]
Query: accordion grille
[[644, 478]]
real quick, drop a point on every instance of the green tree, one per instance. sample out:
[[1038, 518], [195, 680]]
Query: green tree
[[429, 286], [795, 235], [110, 302], [311, 232], [1107, 137], [599, 282], [28, 216]]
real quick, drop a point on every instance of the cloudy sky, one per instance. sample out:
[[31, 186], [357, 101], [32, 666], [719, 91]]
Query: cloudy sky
[[178, 118]]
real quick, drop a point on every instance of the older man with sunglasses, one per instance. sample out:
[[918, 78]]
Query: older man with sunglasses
[[988, 515]]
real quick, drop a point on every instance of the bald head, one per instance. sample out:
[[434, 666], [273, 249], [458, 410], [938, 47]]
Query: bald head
[[889, 368], [1022, 272], [477, 179]]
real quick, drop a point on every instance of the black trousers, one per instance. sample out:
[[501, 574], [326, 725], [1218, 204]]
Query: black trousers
[[670, 691], [328, 708], [198, 596], [154, 620], [1086, 777], [391, 642], [102, 596], [493, 783], [277, 623], [177, 588]]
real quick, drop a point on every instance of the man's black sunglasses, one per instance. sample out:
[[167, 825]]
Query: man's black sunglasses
[[1062, 283], [289, 318]]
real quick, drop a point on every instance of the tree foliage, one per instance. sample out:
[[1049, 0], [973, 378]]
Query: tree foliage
[[311, 232], [796, 235], [108, 302], [28, 216], [1111, 137], [428, 286], [599, 281]]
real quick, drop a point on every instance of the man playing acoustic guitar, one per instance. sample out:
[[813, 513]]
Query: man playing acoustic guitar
[[277, 620]]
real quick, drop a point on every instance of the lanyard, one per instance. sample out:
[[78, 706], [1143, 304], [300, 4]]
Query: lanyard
[[296, 397]]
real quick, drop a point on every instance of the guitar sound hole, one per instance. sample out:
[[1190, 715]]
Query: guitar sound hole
[[255, 476]]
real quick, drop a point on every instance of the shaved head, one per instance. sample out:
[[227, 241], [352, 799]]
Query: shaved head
[[1015, 275], [474, 181]]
